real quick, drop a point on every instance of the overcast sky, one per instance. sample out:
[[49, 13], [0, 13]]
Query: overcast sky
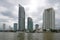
[[33, 9]]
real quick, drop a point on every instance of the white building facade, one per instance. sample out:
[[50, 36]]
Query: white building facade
[[49, 19]]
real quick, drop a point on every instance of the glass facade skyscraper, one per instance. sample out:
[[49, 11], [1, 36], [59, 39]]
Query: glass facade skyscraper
[[15, 26], [4, 25], [30, 24], [36, 26], [21, 21]]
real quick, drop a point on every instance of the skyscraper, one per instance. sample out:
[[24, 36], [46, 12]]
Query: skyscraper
[[10, 28], [49, 19], [30, 24], [15, 26], [4, 27], [36, 26], [21, 22]]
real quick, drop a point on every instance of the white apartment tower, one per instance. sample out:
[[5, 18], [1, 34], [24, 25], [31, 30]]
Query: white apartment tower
[[49, 19]]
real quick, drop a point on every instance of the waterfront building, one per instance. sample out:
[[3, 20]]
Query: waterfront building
[[4, 27], [10, 28], [30, 24], [36, 26], [15, 26], [49, 19], [21, 19]]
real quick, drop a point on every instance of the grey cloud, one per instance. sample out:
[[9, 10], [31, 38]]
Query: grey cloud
[[25, 2], [53, 1], [57, 23], [4, 20], [38, 15], [10, 9], [9, 14], [5, 3]]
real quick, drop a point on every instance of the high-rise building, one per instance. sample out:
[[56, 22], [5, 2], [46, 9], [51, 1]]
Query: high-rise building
[[21, 22], [10, 28], [4, 27], [36, 26], [15, 26], [30, 24], [49, 19]]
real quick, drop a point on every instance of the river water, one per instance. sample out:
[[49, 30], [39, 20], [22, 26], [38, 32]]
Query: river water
[[29, 36]]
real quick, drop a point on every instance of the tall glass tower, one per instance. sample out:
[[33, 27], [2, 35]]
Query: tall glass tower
[[15, 26], [49, 19], [36, 26], [4, 25], [21, 21], [30, 24]]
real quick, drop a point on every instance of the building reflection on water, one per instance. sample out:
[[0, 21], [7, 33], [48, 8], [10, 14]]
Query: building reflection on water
[[33, 36], [21, 36], [48, 36], [29, 36]]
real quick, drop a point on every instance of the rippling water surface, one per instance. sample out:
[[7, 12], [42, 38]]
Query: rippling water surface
[[29, 36]]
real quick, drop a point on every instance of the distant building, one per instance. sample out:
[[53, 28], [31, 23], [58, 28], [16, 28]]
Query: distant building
[[36, 26], [15, 26], [4, 27], [10, 28], [21, 19], [30, 24], [49, 19]]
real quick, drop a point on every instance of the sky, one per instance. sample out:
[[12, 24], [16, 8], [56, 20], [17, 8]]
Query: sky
[[33, 8]]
